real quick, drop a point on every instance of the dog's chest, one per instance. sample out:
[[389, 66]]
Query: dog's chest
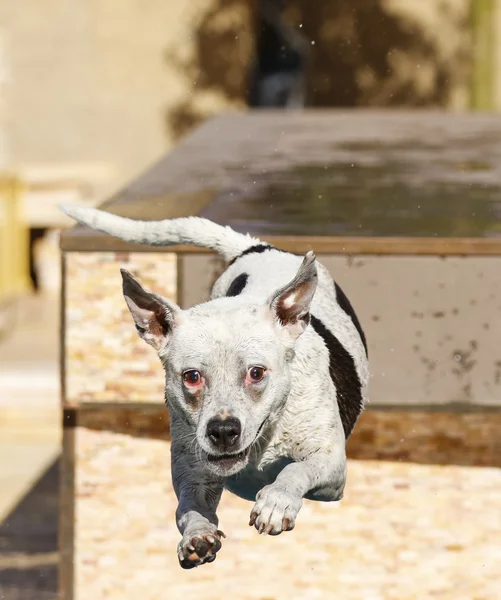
[[248, 482]]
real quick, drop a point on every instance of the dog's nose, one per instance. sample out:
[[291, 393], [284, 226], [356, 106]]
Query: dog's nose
[[224, 433]]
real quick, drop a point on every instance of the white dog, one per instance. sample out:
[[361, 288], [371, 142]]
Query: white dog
[[264, 383]]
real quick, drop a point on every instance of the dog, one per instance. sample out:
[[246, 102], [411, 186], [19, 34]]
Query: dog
[[264, 382]]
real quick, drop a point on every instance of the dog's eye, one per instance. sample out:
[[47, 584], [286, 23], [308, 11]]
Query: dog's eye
[[192, 377], [256, 373]]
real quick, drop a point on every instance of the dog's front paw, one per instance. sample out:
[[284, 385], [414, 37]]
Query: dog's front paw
[[275, 510], [199, 548]]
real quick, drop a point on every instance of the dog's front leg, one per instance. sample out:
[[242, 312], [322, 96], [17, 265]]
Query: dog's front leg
[[198, 494], [320, 476]]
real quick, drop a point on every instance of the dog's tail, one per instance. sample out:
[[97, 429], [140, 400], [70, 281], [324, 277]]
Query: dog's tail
[[193, 231]]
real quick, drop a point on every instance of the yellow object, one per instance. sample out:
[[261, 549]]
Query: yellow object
[[483, 75], [14, 240]]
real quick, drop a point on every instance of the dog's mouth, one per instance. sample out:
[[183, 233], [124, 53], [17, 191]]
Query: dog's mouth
[[230, 460], [227, 460]]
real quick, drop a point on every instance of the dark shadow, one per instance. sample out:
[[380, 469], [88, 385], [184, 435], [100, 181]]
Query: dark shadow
[[147, 421], [360, 54], [219, 64], [21, 583], [36, 234], [454, 435], [277, 72], [365, 55], [29, 543]]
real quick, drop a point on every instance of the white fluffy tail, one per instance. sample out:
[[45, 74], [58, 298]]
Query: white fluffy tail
[[193, 231]]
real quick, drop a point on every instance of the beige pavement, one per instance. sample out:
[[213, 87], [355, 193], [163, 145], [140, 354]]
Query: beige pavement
[[29, 398]]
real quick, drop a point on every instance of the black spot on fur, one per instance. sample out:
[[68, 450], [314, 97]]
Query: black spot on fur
[[344, 375], [257, 249], [237, 285], [345, 304]]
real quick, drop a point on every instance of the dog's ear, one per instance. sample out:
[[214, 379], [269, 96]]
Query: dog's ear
[[153, 315], [291, 304]]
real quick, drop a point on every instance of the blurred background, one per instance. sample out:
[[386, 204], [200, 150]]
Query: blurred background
[[92, 92]]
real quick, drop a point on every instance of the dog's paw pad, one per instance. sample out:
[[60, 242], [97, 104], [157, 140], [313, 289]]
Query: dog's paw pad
[[275, 511], [195, 550]]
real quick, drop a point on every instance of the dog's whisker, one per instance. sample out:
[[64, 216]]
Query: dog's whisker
[[187, 436]]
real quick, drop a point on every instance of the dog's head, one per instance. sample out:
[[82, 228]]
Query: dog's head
[[227, 361]]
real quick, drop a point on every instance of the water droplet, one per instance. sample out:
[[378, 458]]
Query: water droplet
[[300, 24], [312, 42]]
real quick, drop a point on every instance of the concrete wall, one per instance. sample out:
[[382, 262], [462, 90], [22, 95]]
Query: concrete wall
[[100, 82]]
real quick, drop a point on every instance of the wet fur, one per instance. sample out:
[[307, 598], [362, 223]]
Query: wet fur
[[276, 307]]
